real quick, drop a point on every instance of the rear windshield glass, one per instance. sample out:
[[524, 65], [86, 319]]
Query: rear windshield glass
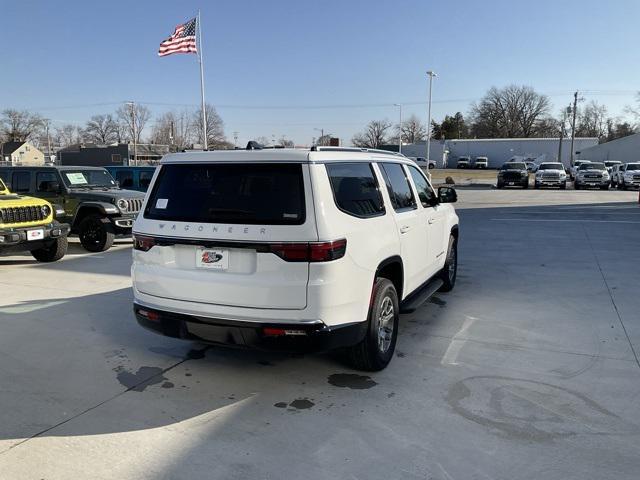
[[243, 193]]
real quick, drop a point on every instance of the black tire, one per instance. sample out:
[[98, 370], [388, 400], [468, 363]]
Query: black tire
[[449, 272], [604, 187], [374, 353], [53, 252], [499, 185], [576, 186], [536, 185], [624, 186], [563, 186], [96, 233], [525, 185]]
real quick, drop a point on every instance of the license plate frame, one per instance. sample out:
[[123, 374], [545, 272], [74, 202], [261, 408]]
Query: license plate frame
[[35, 234], [212, 258]]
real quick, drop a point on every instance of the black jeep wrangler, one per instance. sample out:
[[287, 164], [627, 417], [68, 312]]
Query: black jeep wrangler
[[87, 198]]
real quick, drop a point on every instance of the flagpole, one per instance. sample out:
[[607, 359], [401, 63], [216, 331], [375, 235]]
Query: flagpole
[[204, 112]]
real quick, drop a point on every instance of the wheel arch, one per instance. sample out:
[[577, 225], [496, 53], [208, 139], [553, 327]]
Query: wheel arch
[[392, 269]]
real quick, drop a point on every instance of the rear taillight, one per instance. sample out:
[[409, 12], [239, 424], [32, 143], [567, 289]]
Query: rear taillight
[[142, 243], [310, 252]]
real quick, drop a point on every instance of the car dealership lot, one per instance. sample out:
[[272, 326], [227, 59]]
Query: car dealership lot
[[528, 369]]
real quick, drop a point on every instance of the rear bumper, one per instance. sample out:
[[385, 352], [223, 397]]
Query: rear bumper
[[303, 337], [15, 239]]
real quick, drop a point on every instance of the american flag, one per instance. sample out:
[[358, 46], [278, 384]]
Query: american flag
[[183, 40]]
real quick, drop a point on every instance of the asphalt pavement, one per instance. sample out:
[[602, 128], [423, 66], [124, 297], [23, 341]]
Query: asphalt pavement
[[528, 369]]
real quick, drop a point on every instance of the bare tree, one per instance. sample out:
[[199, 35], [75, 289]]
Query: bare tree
[[215, 127], [592, 121], [413, 130], [20, 126], [175, 129], [67, 134], [285, 142], [324, 140], [509, 112], [101, 129], [133, 118], [374, 135], [262, 140], [634, 111]]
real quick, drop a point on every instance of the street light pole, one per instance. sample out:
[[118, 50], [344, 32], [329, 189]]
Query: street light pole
[[431, 75], [399, 105]]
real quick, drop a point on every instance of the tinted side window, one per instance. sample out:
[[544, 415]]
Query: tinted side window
[[425, 193], [398, 186], [21, 182], [145, 179], [355, 189], [45, 181], [125, 177]]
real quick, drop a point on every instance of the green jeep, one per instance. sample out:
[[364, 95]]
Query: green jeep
[[87, 198]]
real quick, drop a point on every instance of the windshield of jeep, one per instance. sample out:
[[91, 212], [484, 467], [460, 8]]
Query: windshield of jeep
[[88, 178], [551, 166], [247, 193], [633, 166]]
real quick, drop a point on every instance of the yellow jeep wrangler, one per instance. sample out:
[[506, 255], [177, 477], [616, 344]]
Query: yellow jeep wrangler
[[27, 224]]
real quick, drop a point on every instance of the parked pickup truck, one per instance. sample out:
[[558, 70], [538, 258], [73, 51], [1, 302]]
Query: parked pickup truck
[[630, 177], [592, 174], [481, 162], [27, 225], [464, 162], [550, 174], [90, 200]]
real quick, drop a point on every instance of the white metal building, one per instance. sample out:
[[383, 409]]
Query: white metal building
[[499, 150], [625, 149]]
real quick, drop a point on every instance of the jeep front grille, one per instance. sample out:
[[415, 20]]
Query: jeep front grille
[[22, 214], [134, 204]]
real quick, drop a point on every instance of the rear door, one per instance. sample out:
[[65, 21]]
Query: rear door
[[413, 234], [223, 234]]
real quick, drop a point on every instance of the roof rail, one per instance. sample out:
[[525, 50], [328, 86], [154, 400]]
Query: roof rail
[[320, 148]]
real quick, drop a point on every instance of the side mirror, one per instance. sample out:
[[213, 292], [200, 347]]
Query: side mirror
[[447, 195]]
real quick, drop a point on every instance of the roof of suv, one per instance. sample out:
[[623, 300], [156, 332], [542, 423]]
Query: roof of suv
[[287, 155], [55, 167]]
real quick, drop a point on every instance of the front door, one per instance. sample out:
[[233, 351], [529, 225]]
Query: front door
[[432, 219], [412, 231]]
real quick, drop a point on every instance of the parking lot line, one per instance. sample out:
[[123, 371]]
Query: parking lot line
[[561, 220]]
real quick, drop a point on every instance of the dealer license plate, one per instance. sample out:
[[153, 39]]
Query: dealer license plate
[[35, 234], [213, 258]]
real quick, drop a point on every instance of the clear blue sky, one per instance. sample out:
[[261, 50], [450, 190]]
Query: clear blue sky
[[75, 54]]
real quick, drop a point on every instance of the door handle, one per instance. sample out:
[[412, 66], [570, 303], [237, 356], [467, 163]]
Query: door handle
[[405, 229], [431, 221]]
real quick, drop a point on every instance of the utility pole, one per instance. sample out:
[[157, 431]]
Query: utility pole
[[399, 105], [235, 139], [573, 125], [431, 75], [46, 124], [132, 106], [171, 133]]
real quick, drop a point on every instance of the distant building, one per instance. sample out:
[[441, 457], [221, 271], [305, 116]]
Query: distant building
[[497, 150], [20, 153], [625, 149], [90, 154]]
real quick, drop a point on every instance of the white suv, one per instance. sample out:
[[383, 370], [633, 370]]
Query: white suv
[[291, 249]]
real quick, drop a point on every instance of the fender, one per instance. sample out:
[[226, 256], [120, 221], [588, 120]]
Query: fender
[[104, 208]]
